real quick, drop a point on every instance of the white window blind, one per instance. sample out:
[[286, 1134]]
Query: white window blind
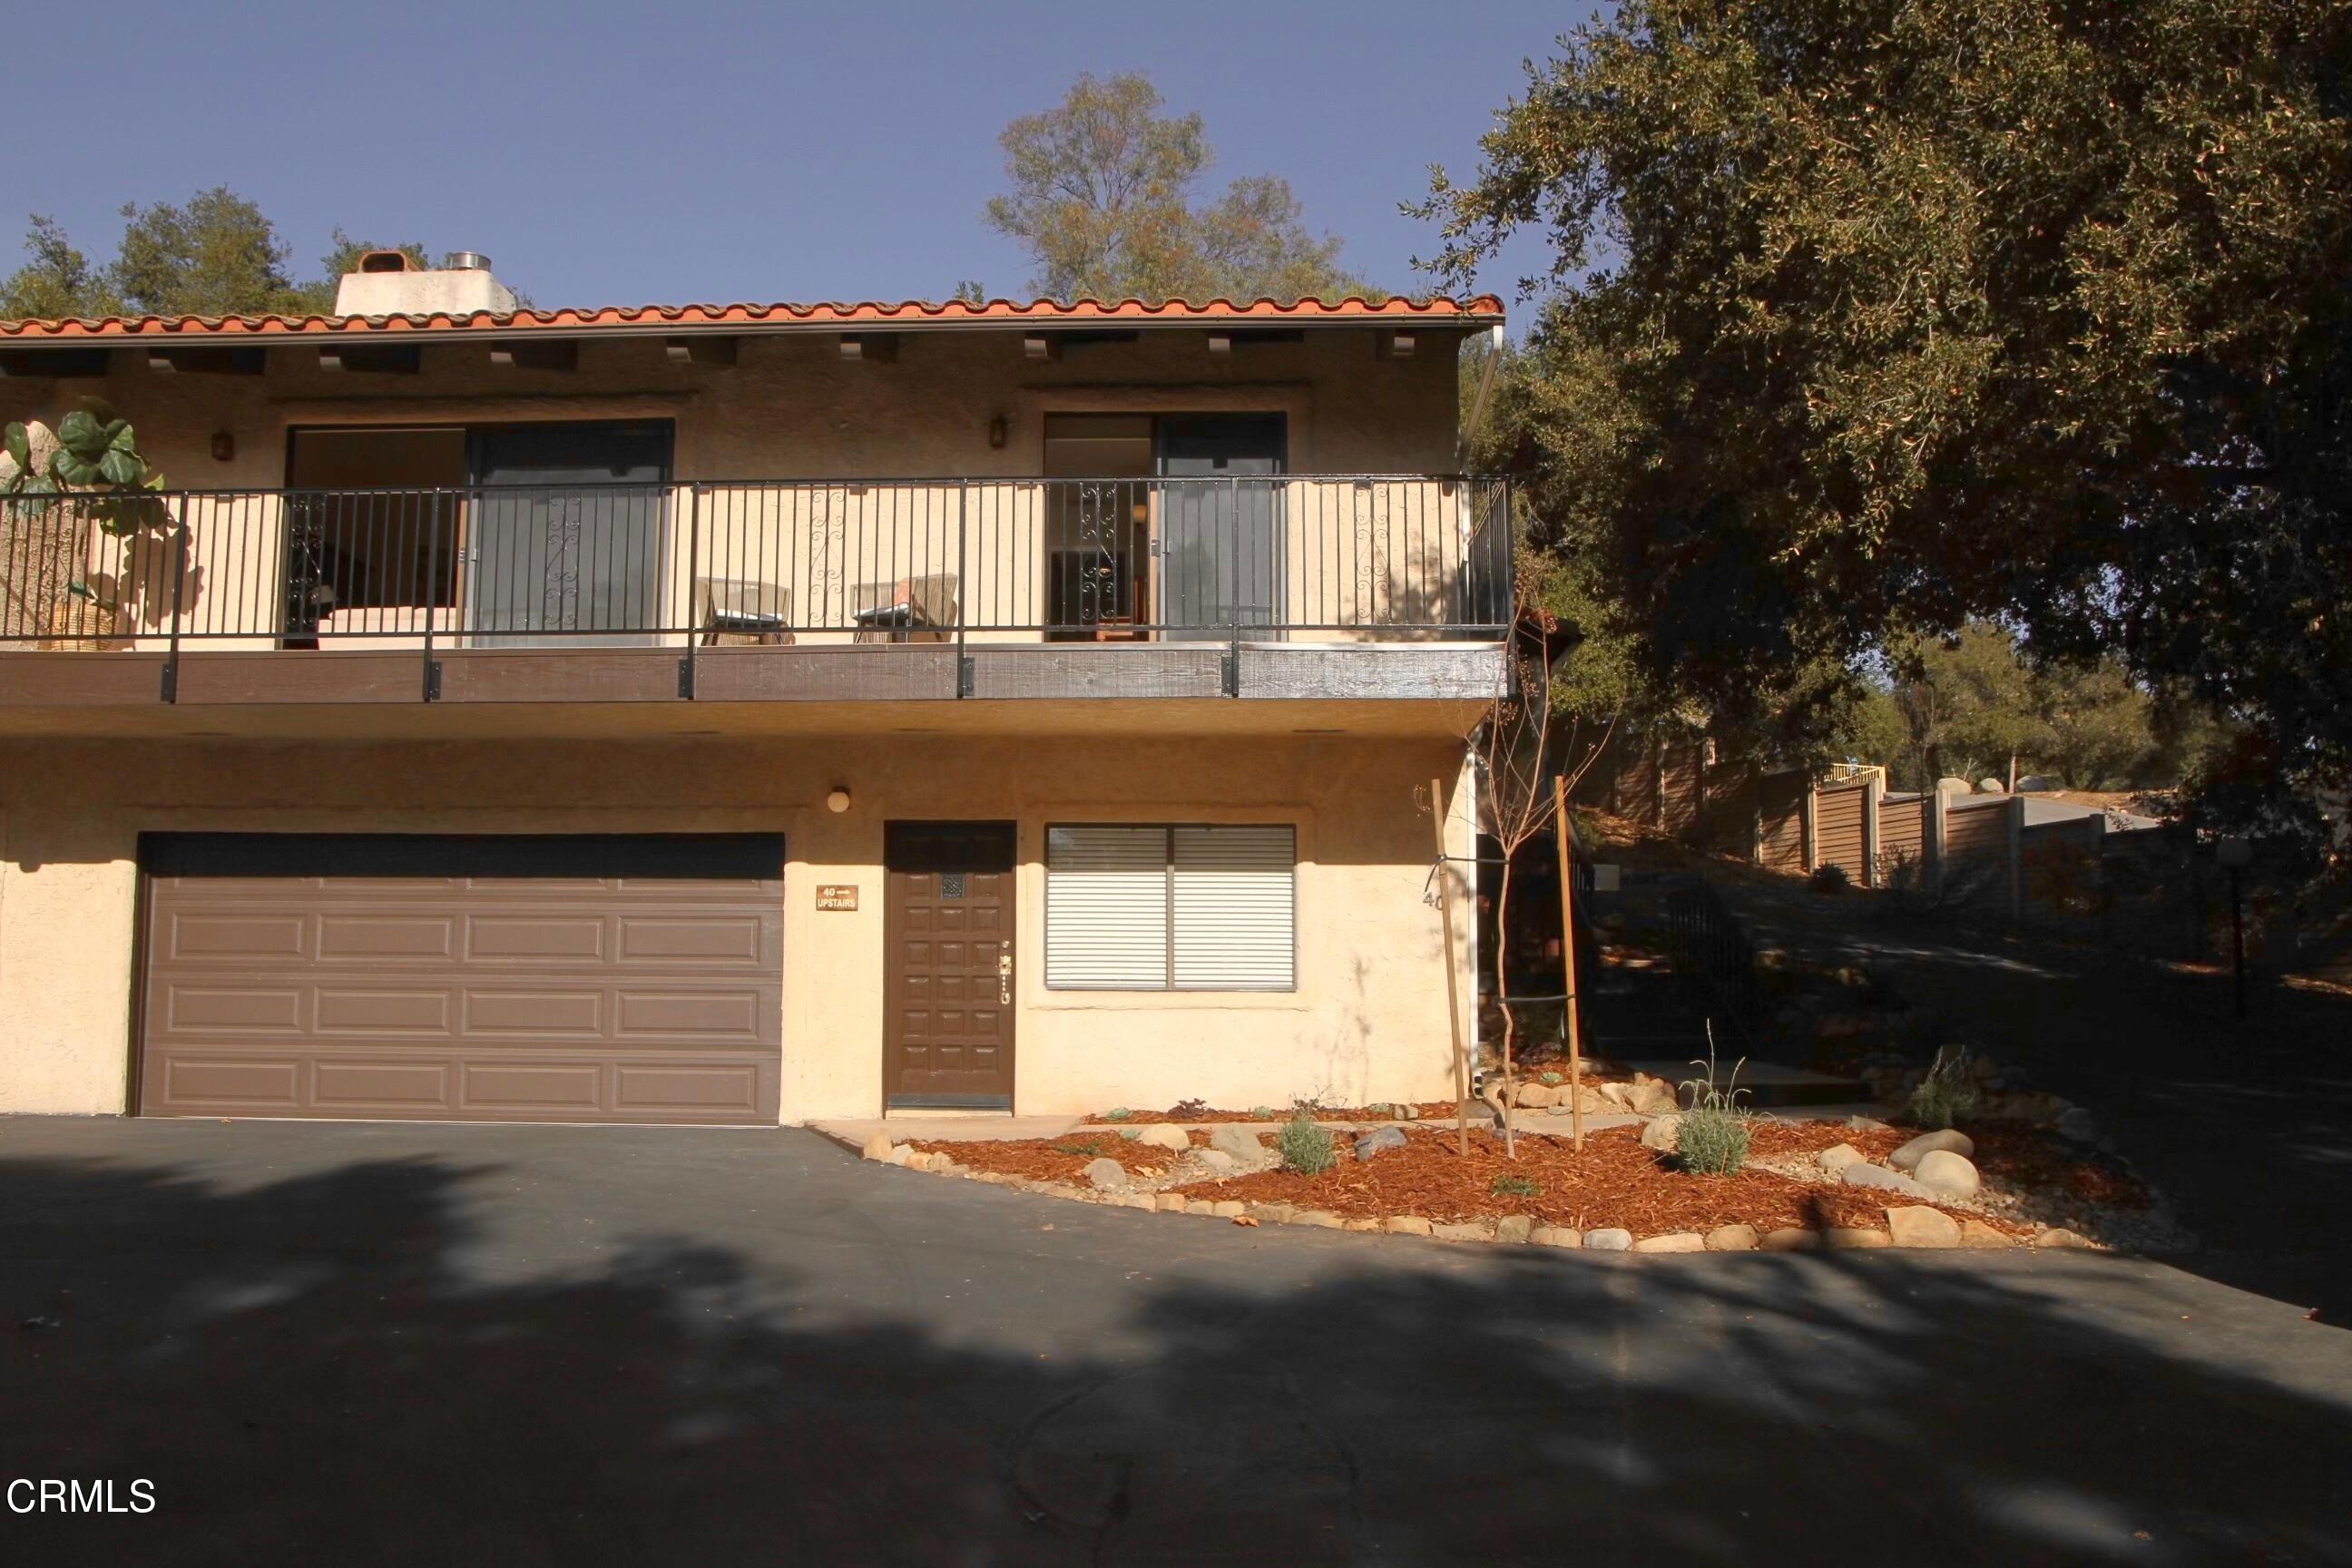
[[1196, 908], [1107, 908], [1233, 907]]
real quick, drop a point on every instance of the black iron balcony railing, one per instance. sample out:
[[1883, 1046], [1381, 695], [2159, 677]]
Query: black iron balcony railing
[[1342, 558]]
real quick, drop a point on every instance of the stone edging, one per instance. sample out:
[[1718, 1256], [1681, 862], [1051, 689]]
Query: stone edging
[[1914, 1227]]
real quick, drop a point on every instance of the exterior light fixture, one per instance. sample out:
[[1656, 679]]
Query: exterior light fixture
[[1000, 430], [837, 801], [224, 446]]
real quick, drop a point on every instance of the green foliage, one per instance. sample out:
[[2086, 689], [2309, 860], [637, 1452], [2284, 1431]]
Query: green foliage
[[216, 254], [1307, 1148], [1830, 879], [1118, 1113], [1713, 1138], [1948, 1095], [1262, 1113], [95, 458], [1102, 200], [1087, 1146], [1508, 1185], [1549, 1078], [1869, 318]]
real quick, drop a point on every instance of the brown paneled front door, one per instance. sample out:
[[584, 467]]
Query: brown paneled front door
[[948, 923]]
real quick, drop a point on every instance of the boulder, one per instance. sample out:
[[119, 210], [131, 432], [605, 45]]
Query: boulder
[[1164, 1135], [1107, 1175], [1788, 1238], [1513, 1227], [1227, 1208], [1731, 1239], [1865, 1124], [1611, 1239], [2058, 1238], [1617, 1095], [1907, 1157], [1948, 1173], [1533, 1096], [1922, 1227], [1976, 1233], [1679, 1241], [1651, 1097], [2076, 1123], [1405, 1224], [1863, 1173], [1855, 1236], [1663, 1133], [1948, 784], [1989, 786], [1837, 1157], [1216, 1160], [1469, 1232], [1239, 1140], [2037, 784], [876, 1147], [1556, 1236], [1378, 1142]]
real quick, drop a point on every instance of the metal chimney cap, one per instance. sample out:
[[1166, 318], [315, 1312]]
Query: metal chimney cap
[[465, 262]]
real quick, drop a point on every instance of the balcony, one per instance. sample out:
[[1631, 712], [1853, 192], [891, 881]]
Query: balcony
[[721, 590]]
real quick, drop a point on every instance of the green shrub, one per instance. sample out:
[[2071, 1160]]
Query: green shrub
[[1118, 1113], [1263, 1113], [1549, 1078], [1713, 1138], [1712, 1142], [1516, 1186], [1081, 1146], [1830, 879], [1307, 1148], [1948, 1095]]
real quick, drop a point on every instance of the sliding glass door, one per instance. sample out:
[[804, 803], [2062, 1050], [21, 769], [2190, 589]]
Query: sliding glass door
[[566, 533]]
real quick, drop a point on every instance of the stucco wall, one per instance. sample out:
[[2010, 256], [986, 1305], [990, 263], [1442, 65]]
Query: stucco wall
[[1368, 1021]]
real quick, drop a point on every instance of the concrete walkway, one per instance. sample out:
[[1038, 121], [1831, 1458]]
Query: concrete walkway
[[381, 1344]]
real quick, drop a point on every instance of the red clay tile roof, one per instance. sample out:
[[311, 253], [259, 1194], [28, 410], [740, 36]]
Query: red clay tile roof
[[1483, 309]]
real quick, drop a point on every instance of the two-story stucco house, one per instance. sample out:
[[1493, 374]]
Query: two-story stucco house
[[736, 714]]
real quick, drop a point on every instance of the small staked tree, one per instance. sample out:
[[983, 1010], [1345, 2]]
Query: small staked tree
[[1529, 736]]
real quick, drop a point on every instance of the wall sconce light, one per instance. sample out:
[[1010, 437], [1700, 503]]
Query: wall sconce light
[[837, 801], [224, 446], [1000, 430]]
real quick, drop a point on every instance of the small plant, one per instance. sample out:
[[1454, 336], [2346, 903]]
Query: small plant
[[1550, 1078], [1306, 1148], [1830, 879], [1081, 1146], [1713, 1138], [1516, 1186], [1262, 1113], [1949, 1094], [1188, 1111], [1118, 1113]]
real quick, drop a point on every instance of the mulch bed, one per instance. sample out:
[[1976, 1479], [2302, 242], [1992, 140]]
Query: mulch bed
[[1614, 1182], [1428, 1110], [1063, 1159]]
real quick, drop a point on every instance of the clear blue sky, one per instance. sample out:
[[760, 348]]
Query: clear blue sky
[[606, 152]]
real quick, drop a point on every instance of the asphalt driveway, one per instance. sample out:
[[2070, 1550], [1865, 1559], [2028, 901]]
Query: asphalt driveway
[[359, 1344]]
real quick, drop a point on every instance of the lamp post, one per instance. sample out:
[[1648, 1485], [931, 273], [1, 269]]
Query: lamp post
[[2235, 854]]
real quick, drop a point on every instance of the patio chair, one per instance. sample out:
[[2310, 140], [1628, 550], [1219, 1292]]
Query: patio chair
[[911, 609], [743, 615]]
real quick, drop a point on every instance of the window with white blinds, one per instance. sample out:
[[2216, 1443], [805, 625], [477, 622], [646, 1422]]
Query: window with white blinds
[[1187, 908]]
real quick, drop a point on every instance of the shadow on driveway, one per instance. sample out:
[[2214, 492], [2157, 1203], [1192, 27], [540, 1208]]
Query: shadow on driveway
[[546, 1346]]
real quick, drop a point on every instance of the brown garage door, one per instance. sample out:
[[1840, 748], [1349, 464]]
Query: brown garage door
[[479, 979]]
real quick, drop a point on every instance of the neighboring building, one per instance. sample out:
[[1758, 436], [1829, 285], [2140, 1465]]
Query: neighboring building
[[732, 713]]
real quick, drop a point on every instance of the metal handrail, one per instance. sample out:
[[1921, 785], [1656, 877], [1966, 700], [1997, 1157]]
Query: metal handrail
[[1211, 559]]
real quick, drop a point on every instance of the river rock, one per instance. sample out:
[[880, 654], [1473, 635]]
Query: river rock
[[1239, 1140], [1612, 1239], [1922, 1227], [1837, 1157], [1679, 1241], [1378, 1142], [1164, 1135], [1948, 1173], [1216, 1160], [1513, 1227], [1556, 1236], [1731, 1239], [876, 1147], [1907, 1157], [1663, 1133], [1976, 1233], [1405, 1224], [1863, 1173], [1107, 1175]]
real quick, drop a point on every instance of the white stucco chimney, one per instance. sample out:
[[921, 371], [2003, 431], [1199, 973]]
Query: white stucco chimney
[[391, 283]]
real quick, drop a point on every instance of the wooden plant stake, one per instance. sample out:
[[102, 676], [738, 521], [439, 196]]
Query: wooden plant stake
[[1453, 984], [1567, 961]]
